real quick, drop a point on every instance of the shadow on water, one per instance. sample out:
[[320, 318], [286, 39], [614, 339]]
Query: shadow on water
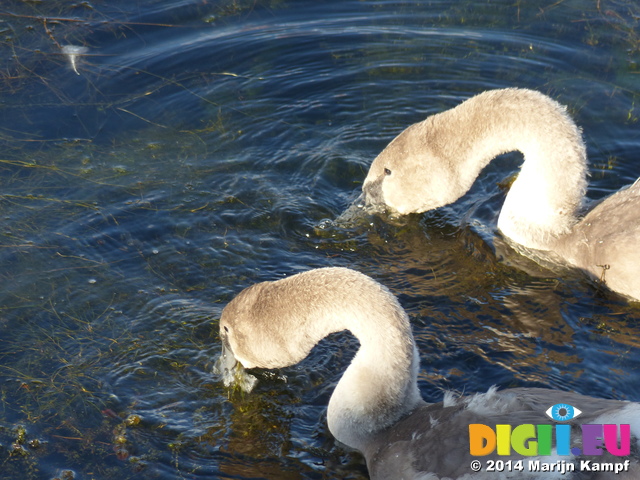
[[160, 156]]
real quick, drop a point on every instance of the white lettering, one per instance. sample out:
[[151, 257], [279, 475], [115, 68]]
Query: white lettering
[[560, 466], [617, 467]]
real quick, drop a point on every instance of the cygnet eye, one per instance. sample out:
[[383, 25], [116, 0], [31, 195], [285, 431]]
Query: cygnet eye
[[387, 172], [226, 329]]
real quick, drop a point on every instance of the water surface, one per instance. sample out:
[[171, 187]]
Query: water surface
[[195, 147]]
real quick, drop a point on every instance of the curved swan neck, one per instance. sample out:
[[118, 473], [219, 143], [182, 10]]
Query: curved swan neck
[[275, 324], [543, 201], [380, 385]]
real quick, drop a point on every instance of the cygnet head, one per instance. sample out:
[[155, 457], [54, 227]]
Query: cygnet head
[[253, 330], [411, 175]]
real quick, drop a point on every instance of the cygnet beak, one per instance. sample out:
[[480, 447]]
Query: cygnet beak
[[355, 213], [232, 371], [372, 197], [225, 365]]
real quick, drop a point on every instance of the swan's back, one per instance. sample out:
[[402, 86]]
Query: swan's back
[[606, 242], [433, 442]]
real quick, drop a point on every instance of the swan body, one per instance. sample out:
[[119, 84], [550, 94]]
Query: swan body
[[376, 407], [435, 162]]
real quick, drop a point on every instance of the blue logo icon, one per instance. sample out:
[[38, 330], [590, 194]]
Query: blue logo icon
[[563, 412]]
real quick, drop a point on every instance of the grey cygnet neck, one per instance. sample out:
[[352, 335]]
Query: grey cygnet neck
[[376, 407], [435, 162]]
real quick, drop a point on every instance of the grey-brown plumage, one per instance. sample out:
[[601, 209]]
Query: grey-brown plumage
[[435, 162], [376, 407]]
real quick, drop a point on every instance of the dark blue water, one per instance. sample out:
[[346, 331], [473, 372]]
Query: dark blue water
[[196, 151]]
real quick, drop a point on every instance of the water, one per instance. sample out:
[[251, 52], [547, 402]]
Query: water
[[194, 148]]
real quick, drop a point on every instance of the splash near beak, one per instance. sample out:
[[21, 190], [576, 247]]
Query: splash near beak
[[232, 372], [352, 213]]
